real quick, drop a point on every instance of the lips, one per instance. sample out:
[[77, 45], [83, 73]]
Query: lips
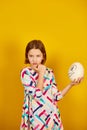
[[34, 63]]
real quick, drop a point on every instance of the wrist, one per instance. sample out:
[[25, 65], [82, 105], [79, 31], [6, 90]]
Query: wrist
[[41, 73], [71, 84]]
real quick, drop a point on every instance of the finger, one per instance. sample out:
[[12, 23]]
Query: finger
[[35, 68], [76, 81], [80, 79]]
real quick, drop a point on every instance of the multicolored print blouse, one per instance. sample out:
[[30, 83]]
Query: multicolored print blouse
[[39, 109]]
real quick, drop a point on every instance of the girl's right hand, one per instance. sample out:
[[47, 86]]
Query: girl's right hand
[[40, 69]]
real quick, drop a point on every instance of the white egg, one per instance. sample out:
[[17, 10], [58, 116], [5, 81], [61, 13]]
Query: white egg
[[76, 71]]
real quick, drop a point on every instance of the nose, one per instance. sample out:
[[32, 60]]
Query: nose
[[34, 59]]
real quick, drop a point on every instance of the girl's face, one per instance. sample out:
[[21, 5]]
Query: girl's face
[[35, 57]]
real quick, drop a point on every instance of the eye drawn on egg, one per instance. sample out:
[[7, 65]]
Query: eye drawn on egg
[[76, 71], [72, 70]]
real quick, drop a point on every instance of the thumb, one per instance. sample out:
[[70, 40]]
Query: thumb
[[35, 68]]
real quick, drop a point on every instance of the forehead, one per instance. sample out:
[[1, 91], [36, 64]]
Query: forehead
[[35, 51]]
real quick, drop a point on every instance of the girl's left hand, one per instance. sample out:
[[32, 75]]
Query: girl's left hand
[[76, 82]]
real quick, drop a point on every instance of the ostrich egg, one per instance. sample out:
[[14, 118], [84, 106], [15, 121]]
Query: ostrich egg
[[76, 71]]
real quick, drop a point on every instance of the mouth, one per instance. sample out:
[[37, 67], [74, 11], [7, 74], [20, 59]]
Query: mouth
[[34, 63]]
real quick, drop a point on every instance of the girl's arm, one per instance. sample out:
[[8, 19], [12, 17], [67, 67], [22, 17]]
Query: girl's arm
[[41, 70], [40, 82], [59, 94], [68, 87], [29, 84]]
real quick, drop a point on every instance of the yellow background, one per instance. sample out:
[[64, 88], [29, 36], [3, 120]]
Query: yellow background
[[62, 26]]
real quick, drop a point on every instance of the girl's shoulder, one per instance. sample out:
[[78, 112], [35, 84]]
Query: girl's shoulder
[[28, 71], [25, 70], [49, 70]]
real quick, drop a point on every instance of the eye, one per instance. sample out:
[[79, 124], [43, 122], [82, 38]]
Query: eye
[[30, 55], [73, 68], [38, 55]]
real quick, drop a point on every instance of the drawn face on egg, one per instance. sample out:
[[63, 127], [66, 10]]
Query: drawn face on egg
[[72, 70], [76, 71]]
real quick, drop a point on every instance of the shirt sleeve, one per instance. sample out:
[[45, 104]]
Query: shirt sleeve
[[56, 93], [30, 84]]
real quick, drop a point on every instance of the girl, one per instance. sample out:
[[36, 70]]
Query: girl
[[40, 111]]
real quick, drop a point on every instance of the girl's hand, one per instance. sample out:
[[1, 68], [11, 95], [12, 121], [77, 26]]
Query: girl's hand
[[40, 69], [76, 82]]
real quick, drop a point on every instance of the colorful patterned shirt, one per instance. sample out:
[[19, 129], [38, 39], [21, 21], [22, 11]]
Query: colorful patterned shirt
[[40, 111]]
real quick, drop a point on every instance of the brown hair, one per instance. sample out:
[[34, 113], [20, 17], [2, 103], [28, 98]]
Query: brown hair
[[35, 44]]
